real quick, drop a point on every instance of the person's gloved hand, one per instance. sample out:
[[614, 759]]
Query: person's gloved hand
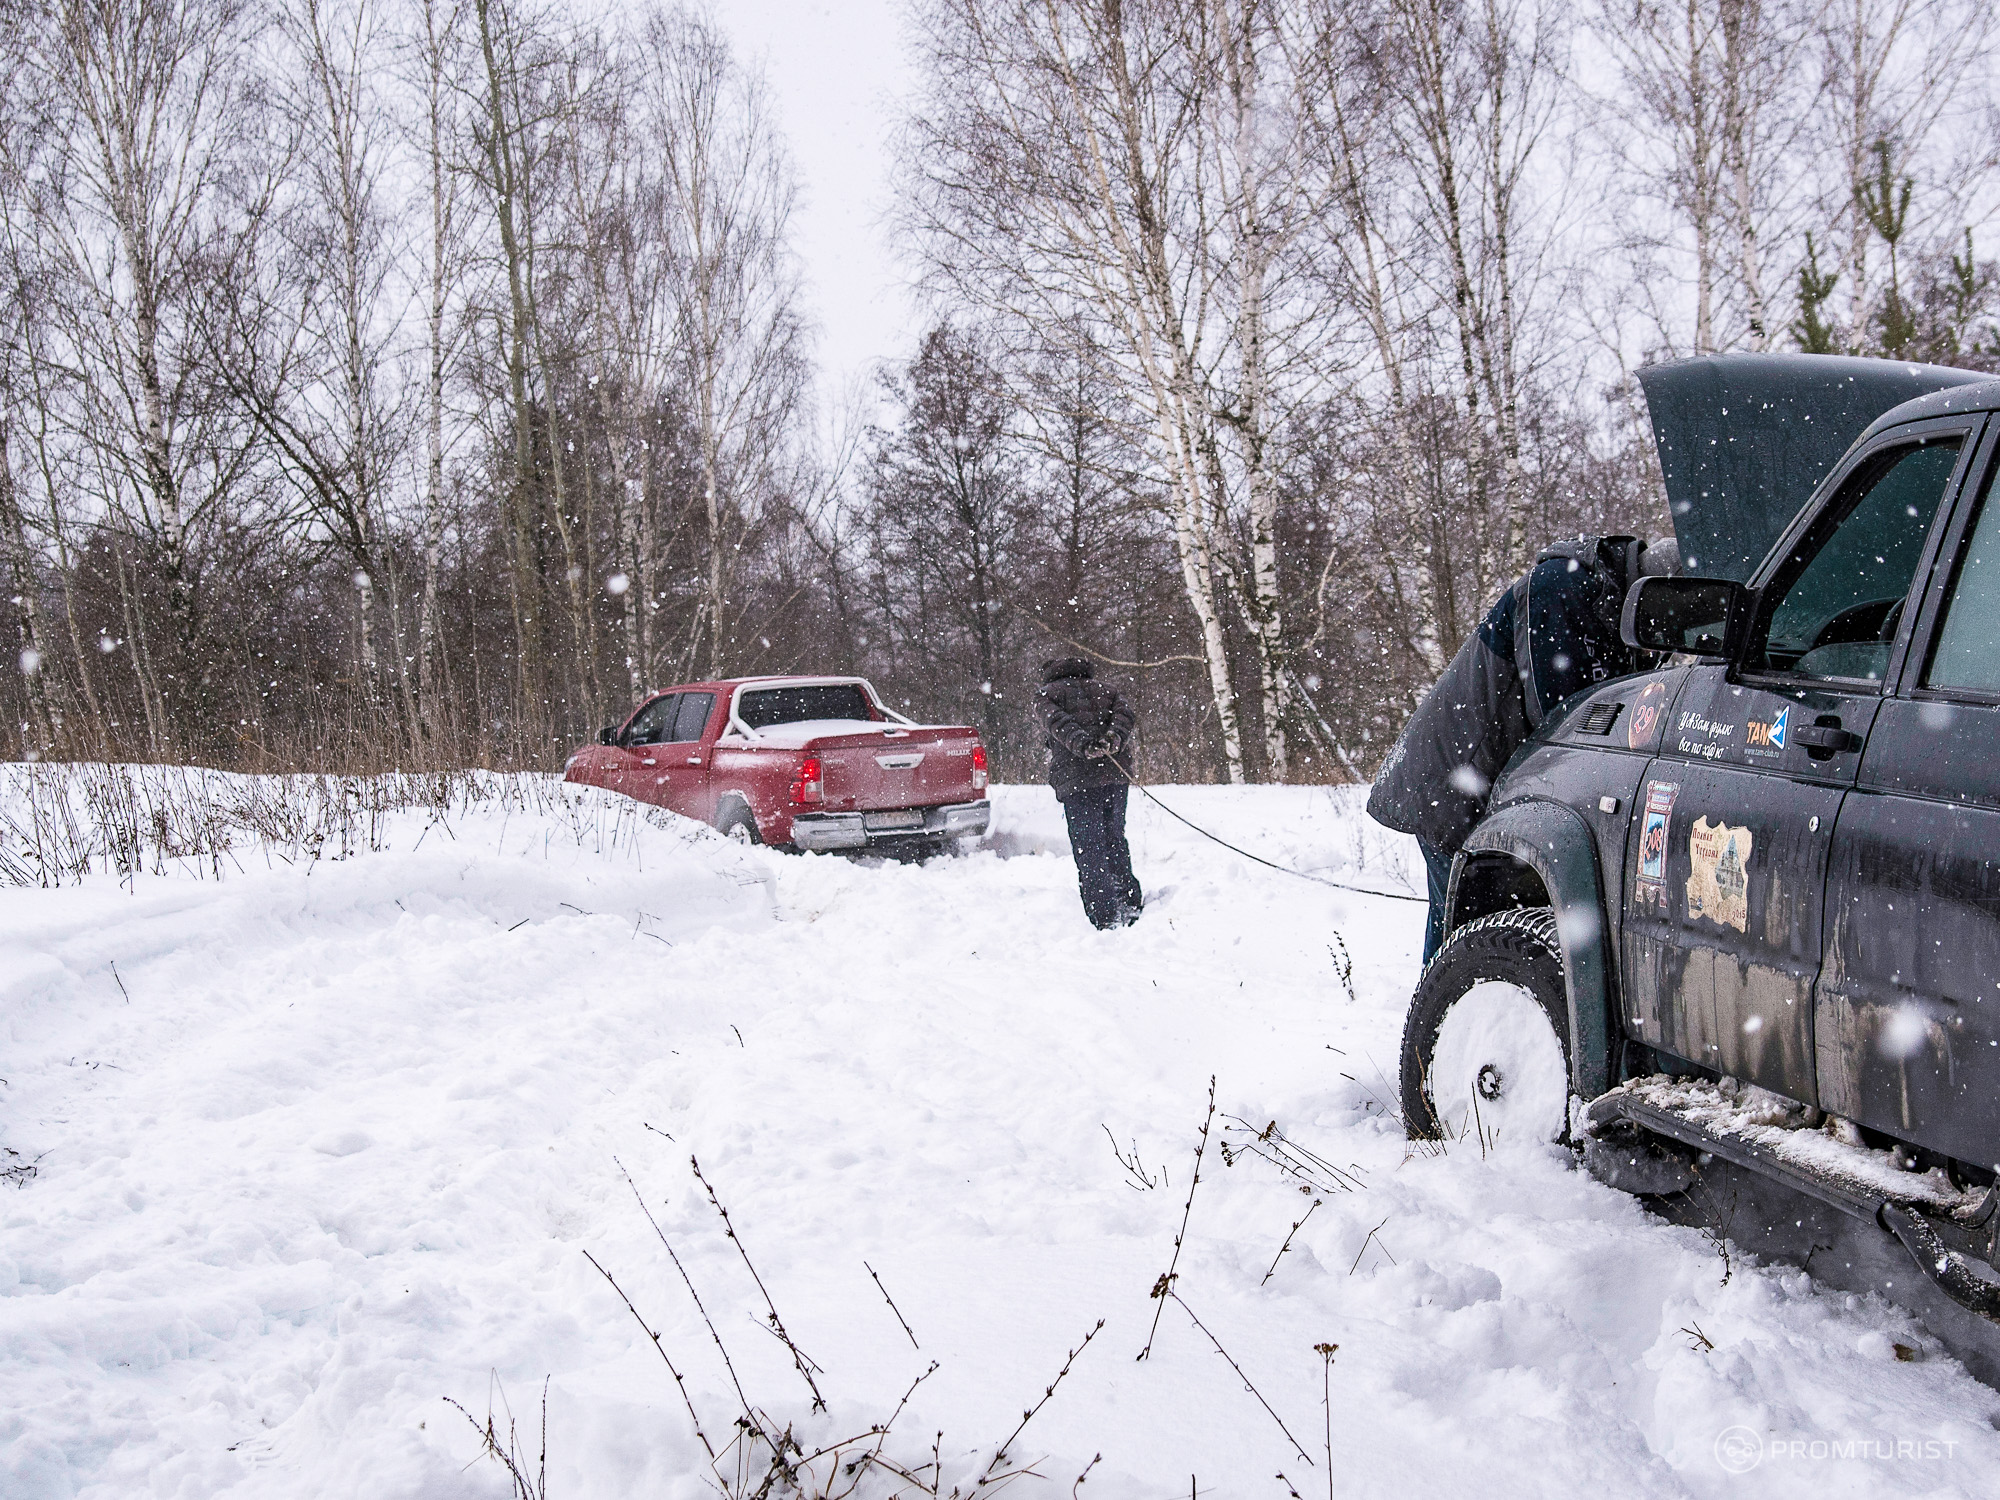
[[1105, 745]]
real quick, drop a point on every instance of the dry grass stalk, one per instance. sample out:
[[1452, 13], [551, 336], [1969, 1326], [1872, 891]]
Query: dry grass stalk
[[803, 1365], [1297, 1225], [1137, 1177], [892, 1305], [1312, 1172], [1165, 1284], [509, 1457], [1166, 1292]]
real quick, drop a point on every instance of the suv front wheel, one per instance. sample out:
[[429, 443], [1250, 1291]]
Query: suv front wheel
[[1486, 1045]]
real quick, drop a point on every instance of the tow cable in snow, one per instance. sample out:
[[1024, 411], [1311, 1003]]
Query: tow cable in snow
[[1339, 885]]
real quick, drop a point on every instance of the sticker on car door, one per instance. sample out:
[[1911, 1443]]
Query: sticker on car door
[[1718, 886], [1649, 710], [1765, 738], [1659, 812]]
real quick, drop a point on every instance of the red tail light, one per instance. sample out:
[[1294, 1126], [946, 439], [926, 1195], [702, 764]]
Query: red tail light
[[808, 787], [979, 768]]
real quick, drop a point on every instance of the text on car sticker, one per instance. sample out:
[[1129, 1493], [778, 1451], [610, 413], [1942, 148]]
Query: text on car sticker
[[1702, 737], [1768, 734]]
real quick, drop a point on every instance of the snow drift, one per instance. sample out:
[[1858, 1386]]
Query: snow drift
[[308, 1144]]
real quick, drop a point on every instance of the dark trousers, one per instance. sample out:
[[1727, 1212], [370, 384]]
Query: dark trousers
[[1096, 817], [1438, 867]]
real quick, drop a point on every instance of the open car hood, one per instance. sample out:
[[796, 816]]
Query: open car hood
[[1744, 440]]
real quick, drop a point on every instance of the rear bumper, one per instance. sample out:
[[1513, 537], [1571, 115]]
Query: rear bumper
[[821, 832]]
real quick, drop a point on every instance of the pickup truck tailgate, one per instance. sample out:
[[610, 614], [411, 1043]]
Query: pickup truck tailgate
[[896, 768]]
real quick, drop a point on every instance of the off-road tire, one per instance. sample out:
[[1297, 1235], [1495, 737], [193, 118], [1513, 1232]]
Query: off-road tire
[[734, 822], [1517, 947]]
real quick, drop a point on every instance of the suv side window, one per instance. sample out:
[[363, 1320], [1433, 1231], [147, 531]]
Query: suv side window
[[1839, 596], [1967, 655], [653, 722]]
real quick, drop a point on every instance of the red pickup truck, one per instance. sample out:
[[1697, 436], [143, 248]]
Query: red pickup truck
[[796, 762]]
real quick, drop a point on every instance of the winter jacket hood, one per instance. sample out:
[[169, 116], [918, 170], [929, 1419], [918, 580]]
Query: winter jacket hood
[[1067, 666]]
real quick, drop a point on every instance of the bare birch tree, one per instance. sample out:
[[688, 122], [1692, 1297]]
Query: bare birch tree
[[439, 67], [1144, 168], [151, 98], [725, 205], [1893, 72], [617, 201], [303, 332], [1716, 107]]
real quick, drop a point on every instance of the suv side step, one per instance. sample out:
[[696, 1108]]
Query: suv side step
[[1949, 1271], [1947, 1266]]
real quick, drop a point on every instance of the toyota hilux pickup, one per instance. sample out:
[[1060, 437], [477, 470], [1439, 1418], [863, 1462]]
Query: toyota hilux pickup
[[801, 763], [1731, 927]]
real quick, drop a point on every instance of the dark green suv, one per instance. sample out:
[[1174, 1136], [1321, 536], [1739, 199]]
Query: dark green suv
[[1732, 927]]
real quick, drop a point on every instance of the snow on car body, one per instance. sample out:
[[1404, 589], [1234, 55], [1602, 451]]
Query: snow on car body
[[812, 763]]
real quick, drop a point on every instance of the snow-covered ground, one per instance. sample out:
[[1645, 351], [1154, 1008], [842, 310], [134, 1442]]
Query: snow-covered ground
[[332, 1143]]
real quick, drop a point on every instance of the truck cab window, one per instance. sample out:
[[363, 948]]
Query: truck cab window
[[1968, 644], [1840, 595], [692, 717], [653, 721]]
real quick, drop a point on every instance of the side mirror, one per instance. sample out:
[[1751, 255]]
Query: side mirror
[[1699, 616], [608, 735]]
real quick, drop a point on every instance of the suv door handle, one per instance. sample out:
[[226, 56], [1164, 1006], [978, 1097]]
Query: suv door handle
[[1826, 739]]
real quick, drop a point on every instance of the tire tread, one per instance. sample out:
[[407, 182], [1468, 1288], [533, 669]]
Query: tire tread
[[1524, 936]]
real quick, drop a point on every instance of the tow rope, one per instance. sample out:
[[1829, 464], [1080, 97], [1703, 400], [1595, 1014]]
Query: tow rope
[[1339, 885]]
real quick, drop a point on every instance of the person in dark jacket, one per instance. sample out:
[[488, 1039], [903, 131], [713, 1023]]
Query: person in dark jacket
[[1552, 634], [1089, 732]]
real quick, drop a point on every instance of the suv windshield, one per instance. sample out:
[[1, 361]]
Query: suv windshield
[[794, 705]]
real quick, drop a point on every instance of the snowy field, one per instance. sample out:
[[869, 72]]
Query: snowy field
[[337, 1141]]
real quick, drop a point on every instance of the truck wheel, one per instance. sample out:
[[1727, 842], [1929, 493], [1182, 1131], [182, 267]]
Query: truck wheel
[[736, 824], [1486, 1045]]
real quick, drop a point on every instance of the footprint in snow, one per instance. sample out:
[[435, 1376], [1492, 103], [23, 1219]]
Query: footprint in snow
[[342, 1142]]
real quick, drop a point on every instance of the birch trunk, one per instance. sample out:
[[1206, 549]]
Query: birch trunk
[[525, 576], [1352, 184], [1742, 25], [31, 645], [1258, 224]]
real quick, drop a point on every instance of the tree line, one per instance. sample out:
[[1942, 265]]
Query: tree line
[[420, 382]]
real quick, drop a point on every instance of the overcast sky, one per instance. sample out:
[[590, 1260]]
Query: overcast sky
[[837, 72]]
